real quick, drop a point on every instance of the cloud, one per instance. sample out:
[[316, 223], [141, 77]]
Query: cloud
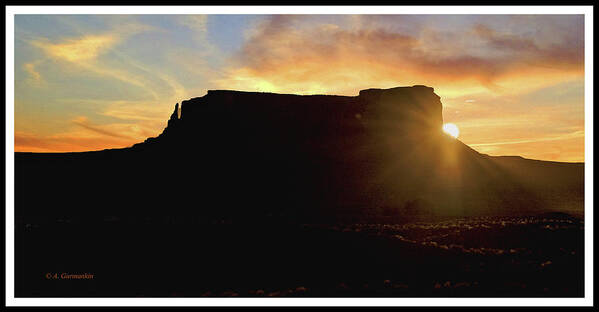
[[85, 51], [573, 135], [88, 47], [29, 142], [204, 48], [34, 75], [197, 23], [566, 55], [83, 122], [569, 149], [505, 41], [286, 53], [85, 135], [137, 111], [140, 114], [497, 64], [80, 49]]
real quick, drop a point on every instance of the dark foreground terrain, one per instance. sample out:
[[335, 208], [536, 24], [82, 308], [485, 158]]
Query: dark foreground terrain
[[484, 256], [258, 194]]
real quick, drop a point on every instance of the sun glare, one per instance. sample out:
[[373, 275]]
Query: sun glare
[[451, 129]]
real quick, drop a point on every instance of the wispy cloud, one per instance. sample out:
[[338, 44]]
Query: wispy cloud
[[83, 122], [576, 134], [29, 142], [33, 73], [80, 49], [197, 23], [85, 52]]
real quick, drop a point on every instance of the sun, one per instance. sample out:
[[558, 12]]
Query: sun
[[451, 129]]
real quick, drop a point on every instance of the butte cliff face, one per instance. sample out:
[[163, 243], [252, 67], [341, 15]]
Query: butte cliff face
[[287, 119], [381, 152], [315, 152], [246, 154]]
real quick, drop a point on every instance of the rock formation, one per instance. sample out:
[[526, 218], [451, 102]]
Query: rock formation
[[380, 153], [174, 117]]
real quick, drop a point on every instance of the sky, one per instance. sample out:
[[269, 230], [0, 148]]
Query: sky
[[513, 84]]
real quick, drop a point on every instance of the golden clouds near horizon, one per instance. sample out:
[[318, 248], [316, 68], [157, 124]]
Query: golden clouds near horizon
[[294, 57]]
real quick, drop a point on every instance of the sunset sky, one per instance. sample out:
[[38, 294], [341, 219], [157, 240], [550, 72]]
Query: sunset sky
[[513, 84]]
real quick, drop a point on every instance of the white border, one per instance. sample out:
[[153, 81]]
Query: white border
[[299, 10], [588, 154], [12, 10], [10, 157]]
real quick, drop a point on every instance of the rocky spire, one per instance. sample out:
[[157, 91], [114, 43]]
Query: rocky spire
[[174, 116]]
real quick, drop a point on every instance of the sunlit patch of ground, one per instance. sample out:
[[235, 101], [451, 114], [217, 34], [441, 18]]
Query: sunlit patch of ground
[[471, 235]]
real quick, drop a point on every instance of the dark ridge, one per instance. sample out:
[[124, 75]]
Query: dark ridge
[[380, 154], [264, 194]]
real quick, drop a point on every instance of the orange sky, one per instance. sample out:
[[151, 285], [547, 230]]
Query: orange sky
[[513, 84]]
